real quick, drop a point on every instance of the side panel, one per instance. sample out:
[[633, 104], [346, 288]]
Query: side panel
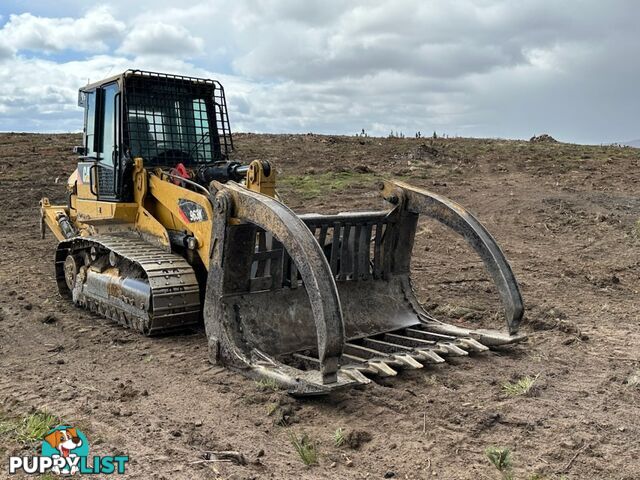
[[94, 211], [181, 209], [84, 178]]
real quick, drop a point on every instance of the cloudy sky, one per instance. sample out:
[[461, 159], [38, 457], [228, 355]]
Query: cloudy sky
[[483, 68]]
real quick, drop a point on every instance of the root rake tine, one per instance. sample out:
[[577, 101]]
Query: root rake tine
[[407, 361], [382, 368], [454, 350], [356, 375], [430, 356], [473, 345]]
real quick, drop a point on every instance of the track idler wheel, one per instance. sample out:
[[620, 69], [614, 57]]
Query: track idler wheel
[[71, 268]]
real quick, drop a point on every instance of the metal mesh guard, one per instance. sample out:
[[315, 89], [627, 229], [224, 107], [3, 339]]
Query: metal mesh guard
[[171, 119]]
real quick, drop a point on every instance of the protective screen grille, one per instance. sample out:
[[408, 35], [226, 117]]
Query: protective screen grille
[[172, 119]]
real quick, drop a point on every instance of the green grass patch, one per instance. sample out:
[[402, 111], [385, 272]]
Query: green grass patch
[[267, 385], [30, 428], [306, 449], [271, 408], [636, 230], [500, 457], [522, 387], [312, 186], [338, 437]]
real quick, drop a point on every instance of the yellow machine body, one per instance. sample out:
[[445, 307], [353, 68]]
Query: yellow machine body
[[164, 232]]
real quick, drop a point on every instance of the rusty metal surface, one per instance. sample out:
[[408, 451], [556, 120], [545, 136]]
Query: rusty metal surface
[[271, 215], [319, 302]]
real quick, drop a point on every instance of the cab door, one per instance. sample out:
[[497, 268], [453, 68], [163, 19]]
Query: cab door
[[107, 154], [98, 169]]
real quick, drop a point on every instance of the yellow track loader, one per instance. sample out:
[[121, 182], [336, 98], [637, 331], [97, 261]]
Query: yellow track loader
[[163, 231]]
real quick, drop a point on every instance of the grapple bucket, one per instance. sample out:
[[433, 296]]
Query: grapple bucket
[[321, 302]]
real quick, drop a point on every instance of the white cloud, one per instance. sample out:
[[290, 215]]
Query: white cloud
[[90, 33], [160, 38], [469, 67]]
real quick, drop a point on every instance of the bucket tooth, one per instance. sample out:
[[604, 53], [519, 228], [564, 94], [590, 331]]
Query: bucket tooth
[[382, 368], [441, 349], [430, 356], [454, 350], [360, 364], [473, 345], [407, 361], [356, 375]]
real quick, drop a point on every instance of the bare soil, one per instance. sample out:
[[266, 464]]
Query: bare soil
[[565, 215]]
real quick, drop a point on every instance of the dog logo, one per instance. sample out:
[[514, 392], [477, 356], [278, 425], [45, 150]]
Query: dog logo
[[65, 451], [67, 443]]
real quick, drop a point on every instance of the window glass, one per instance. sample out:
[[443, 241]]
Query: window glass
[[90, 122], [166, 128], [109, 123]]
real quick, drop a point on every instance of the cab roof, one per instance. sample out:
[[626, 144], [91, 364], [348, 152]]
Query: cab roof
[[144, 73]]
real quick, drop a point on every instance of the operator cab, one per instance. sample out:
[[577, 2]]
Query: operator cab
[[165, 119]]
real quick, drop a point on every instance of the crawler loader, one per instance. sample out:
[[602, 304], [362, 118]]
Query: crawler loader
[[164, 230]]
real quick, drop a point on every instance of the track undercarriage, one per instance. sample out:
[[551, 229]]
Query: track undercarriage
[[129, 281]]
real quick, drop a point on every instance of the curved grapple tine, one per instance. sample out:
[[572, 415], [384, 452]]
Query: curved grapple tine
[[233, 247], [422, 202]]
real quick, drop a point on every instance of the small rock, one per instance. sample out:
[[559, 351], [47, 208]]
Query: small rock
[[362, 169], [49, 319], [60, 361], [261, 453], [356, 438], [390, 474], [632, 380], [28, 306], [333, 465], [175, 433]]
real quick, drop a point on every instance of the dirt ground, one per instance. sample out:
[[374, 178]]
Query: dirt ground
[[567, 217]]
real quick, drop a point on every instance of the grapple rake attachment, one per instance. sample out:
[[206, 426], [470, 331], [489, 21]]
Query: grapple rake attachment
[[321, 302]]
